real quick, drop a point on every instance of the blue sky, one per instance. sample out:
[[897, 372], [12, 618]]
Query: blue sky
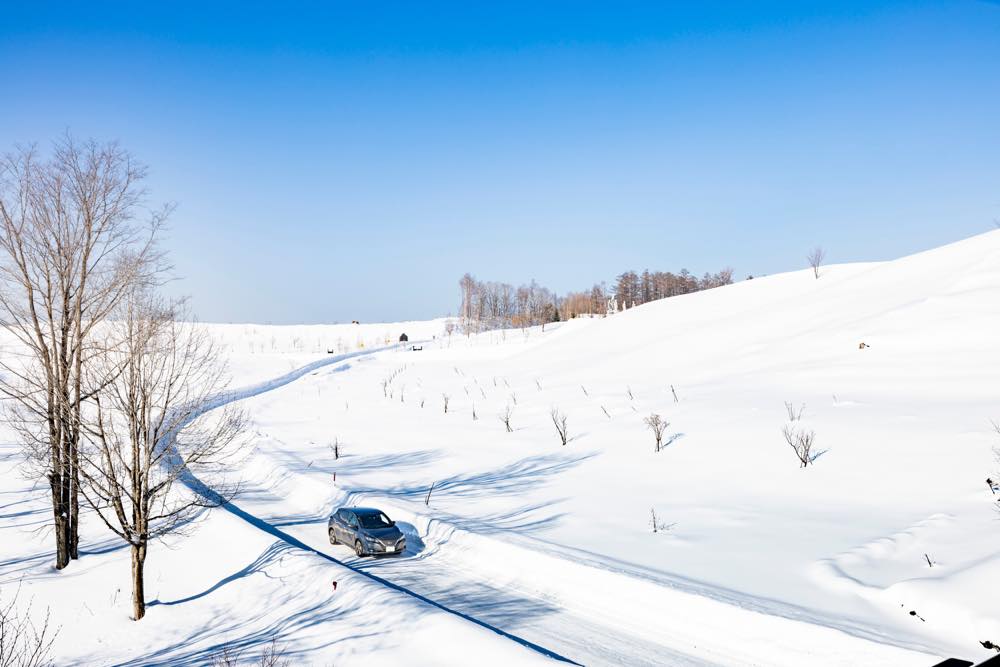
[[338, 161]]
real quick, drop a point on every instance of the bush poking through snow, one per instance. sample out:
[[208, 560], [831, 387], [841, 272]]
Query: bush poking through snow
[[22, 642], [427, 498], [445, 398], [337, 448], [658, 525], [801, 441], [793, 414], [559, 421], [656, 424], [505, 418], [271, 656]]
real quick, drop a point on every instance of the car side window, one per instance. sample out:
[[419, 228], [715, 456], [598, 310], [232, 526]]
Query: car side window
[[352, 521], [342, 516]]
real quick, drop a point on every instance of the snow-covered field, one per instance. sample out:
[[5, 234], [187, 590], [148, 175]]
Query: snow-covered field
[[531, 551]]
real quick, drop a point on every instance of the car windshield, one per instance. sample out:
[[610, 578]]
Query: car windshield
[[375, 520]]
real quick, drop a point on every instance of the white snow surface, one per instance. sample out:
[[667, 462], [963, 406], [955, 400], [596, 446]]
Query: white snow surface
[[531, 551]]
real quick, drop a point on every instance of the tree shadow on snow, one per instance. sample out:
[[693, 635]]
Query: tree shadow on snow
[[235, 637], [517, 477]]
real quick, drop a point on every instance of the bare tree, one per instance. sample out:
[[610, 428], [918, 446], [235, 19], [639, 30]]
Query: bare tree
[[70, 249], [505, 417], [23, 643], [559, 421], [656, 424], [445, 398], [816, 258], [801, 442], [150, 426]]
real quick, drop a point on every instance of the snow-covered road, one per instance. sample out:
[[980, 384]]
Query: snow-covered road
[[546, 601]]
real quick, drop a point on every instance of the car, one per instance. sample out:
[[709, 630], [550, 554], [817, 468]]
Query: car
[[370, 531], [416, 348]]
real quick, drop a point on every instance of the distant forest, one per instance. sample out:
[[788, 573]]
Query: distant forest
[[492, 305]]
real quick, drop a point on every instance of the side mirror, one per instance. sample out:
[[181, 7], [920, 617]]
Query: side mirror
[[391, 522]]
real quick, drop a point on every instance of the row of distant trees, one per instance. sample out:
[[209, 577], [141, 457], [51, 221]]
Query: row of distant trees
[[492, 305]]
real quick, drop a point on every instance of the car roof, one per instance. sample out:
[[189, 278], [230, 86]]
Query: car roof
[[364, 510]]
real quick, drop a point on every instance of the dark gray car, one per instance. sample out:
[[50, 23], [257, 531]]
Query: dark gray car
[[368, 530]]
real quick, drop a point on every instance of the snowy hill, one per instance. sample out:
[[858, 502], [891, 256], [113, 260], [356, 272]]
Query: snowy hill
[[529, 550]]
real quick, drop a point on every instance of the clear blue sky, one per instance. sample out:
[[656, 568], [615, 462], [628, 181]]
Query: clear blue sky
[[337, 161]]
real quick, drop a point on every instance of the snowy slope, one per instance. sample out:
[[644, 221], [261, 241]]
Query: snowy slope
[[764, 563]]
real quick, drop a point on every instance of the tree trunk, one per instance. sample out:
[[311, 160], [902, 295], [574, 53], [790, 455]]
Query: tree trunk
[[73, 509], [59, 520], [138, 584]]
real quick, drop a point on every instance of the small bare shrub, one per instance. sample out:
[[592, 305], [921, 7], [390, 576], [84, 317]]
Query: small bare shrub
[[657, 524], [445, 398], [505, 418], [22, 642], [271, 656], [655, 423], [801, 441], [427, 498], [794, 414], [559, 421]]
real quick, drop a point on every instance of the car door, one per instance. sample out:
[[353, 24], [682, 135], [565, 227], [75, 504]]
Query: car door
[[352, 528], [340, 526]]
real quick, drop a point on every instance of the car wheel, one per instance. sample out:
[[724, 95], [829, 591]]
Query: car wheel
[[333, 536], [359, 549]]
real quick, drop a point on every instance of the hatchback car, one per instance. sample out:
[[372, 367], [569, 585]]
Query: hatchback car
[[368, 530]]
